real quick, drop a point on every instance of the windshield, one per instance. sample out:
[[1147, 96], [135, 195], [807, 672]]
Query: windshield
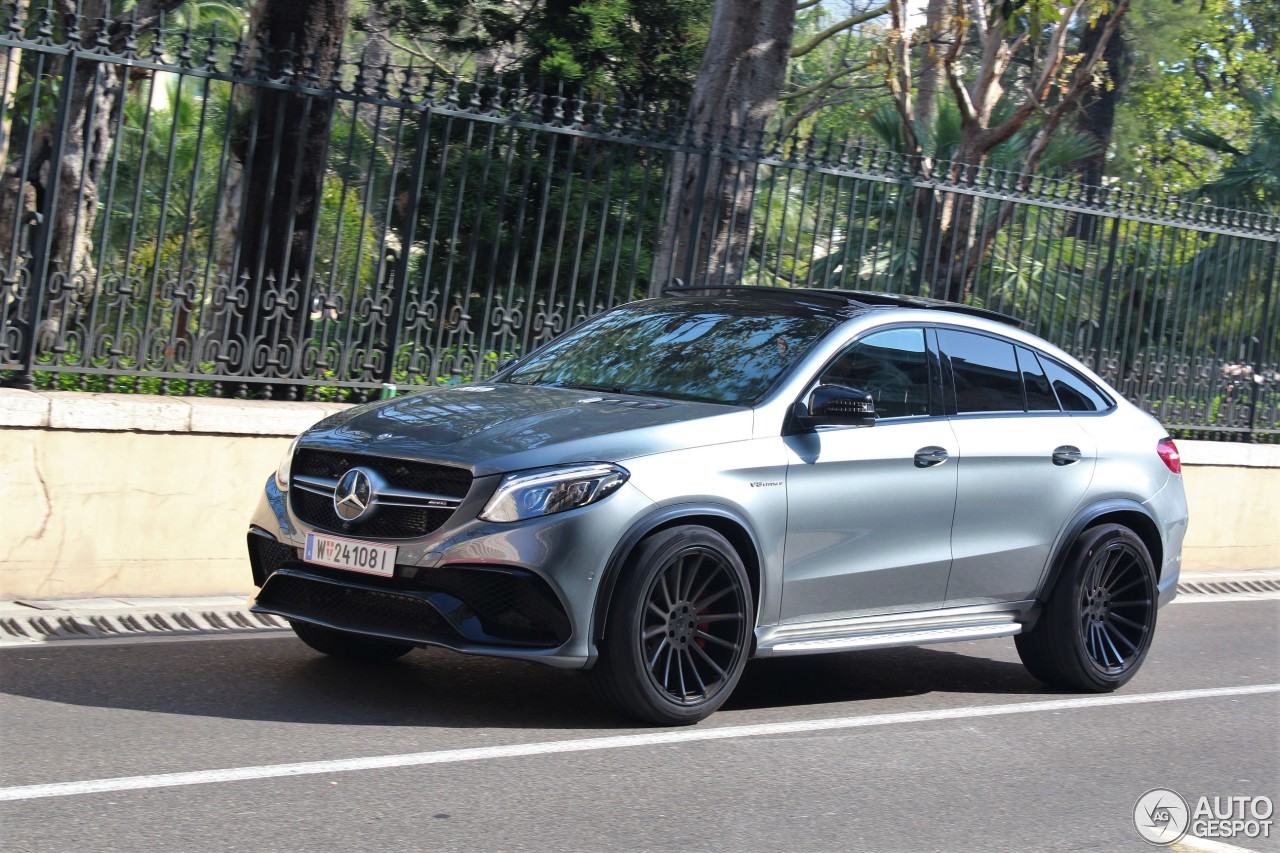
[[714, 351]]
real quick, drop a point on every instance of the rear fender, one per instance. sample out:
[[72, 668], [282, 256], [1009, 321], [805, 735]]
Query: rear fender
[[1148, 532]]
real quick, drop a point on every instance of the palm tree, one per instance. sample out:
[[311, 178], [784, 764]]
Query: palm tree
[[1252, 179]]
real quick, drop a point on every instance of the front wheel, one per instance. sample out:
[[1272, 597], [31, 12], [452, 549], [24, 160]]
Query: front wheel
[[679, 628], [1098, 623], [348, 646]]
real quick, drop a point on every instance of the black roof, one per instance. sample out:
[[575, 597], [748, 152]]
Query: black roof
[[836, 299]]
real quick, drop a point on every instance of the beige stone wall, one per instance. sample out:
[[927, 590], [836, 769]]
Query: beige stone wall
[[127, 513], [127, 496], [108, 494], [1235, 518]]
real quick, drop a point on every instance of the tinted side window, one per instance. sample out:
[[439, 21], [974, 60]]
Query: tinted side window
[[891, 365], [1039, 395], [985, 372], [1076, 393]]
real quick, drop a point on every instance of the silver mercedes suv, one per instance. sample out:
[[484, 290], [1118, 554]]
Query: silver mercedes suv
[[684, 483]]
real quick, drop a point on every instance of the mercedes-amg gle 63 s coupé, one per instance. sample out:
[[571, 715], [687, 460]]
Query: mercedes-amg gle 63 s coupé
[[683, 483]]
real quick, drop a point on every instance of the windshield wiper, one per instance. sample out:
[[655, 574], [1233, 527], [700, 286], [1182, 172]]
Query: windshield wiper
[[636, 392], [606, 389]]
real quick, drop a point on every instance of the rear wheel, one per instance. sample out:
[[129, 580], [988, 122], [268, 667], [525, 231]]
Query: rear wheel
[[348, 646], [1098, 623], [679, 628]]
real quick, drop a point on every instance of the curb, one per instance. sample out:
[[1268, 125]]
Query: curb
[[31, 622], [27, 622]]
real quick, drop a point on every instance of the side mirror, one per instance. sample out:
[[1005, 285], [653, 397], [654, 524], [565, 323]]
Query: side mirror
[[836, 405]]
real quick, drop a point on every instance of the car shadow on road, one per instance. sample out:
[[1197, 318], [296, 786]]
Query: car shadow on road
[[280, 680], [880, 674]]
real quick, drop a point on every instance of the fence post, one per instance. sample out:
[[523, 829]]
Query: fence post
[[1108, 276], [926, 237], [695, 218], [40, 237], [1264, 356], [398, 270]]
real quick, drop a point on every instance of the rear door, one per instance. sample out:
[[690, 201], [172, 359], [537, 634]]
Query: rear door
[[1024, 467]]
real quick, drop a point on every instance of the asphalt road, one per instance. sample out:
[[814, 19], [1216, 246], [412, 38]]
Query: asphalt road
[[949, 747]]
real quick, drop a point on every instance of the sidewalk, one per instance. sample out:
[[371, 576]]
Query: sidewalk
[[27, 622]]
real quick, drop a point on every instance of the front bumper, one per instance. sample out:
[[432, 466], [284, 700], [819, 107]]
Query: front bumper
[[525, 590]]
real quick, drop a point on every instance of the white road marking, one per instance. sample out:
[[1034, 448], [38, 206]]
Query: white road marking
[[668, 736], [1194, 844], [1210, 598]]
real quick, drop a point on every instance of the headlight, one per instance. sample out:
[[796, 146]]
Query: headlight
[[282, 473], [535, 493]]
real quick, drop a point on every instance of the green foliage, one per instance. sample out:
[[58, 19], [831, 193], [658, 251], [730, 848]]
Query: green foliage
[[561, 223], [636, 48], [1194, 65], [1252, 176], [836, 88]]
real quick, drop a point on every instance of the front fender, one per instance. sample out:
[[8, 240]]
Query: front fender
[[728, 521]]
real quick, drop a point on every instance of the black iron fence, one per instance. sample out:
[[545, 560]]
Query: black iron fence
[[187, 212]]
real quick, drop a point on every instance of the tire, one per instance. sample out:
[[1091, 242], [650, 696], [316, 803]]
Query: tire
[[1096, 628], [348, 646], [679, 629]]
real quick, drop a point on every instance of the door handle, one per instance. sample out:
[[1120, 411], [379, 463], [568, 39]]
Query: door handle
[[1066, 455], [927, 457]]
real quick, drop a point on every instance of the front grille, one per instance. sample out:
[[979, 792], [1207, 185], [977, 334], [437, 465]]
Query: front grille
[[389, 522], [414, 476]]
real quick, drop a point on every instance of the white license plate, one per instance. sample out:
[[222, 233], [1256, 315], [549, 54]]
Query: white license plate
[[350, 554]]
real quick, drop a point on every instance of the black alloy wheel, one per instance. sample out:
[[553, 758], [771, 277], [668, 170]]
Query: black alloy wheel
[[1096, 628], [692, 630], [680, 629], [1117, 607]]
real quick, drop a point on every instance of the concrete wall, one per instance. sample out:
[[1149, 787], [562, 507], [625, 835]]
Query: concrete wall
[[108, 494], [132, 495]]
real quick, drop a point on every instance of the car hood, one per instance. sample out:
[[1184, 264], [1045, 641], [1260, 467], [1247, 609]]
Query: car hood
[[492, 429]]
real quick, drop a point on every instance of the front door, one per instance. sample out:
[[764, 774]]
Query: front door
[[869, 509]]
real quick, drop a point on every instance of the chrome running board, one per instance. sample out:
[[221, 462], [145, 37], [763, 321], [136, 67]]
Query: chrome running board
[[878, 632]]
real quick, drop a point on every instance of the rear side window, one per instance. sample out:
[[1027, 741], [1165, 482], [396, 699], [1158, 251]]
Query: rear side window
[[1076, 393], [984, 371], [1040, 396]]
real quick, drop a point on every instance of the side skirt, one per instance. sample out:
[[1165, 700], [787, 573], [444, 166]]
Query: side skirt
[[897, 629]]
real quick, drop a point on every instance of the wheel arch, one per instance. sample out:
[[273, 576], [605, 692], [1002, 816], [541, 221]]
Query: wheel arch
[[1127, 513], [724, 520]]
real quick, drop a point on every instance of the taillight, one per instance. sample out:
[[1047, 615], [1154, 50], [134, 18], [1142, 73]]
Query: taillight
[[1169, 455]]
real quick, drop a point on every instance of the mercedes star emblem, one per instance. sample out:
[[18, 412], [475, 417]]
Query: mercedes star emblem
[[353, 498]]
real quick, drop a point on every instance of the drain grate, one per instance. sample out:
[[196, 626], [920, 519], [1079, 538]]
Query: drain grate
[[1261, 586], [43, 626]]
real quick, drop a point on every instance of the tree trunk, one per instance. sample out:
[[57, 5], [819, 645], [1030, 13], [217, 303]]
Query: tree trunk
[[931, 79], [952, 245], [280, 150], [707, 219], [9, 85], [1098, 116]]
